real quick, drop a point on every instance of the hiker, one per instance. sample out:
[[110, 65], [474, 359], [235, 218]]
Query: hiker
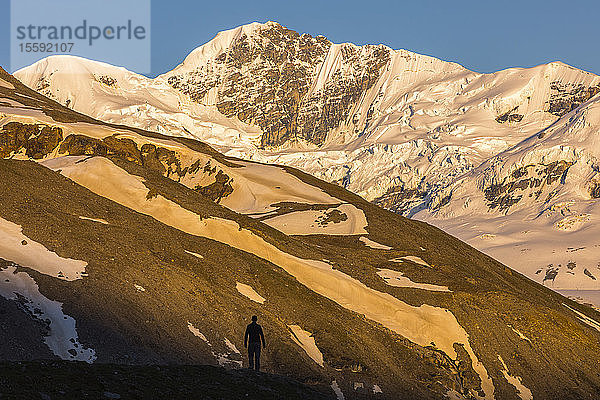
[[252, 339]]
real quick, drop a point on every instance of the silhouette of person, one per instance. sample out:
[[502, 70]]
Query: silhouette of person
[[252, 339]]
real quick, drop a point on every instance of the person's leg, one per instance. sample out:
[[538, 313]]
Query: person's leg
[[250, 355], [257, 357]]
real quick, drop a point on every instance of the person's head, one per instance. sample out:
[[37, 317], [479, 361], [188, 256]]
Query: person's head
[[254, 318]]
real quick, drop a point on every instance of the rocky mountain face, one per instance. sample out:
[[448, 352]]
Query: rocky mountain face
[[277, 79], [484, 156]]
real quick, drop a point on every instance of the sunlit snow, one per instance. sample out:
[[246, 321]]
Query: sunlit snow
[[415, 259], [249, 292], [194, 254], [523, 392], [370, 243], [6, 84], [397, 278], [18, 248], [99, 220], [63, 339], [139, 288], [197, 333], [306, 341]]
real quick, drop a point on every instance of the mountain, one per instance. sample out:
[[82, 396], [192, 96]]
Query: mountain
[[121, 245], [505, 161]]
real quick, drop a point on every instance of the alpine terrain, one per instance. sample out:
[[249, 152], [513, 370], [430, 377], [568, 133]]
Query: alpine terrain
[[130, 244], [506, 161]]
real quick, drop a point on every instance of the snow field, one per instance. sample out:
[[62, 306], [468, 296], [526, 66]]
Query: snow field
[[18, 248], [249, 292], [397, 279], [306, 341], [62, 339]]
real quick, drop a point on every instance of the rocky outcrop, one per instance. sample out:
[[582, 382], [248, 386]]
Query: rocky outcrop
[[327, 108], [155, 158], [267, 79], [107, 80], [510, 116], [400, 199], [219, 189], [595, 190], [37, 140], [260, 79], [567, 97], [528, 180]]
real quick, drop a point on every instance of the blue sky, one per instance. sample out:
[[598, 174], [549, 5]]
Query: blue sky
[[482, 35]]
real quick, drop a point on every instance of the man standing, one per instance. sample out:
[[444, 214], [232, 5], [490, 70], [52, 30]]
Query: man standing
[[252, 339]]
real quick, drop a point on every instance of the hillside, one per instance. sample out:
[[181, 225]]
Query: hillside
[[68, 380], [150, 249]]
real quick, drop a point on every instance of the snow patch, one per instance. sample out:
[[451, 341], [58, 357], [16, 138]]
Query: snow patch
[[358, 385], [314, 222], [18, 248], [397, 279], [99, 220], [6, 84], [377, 389], [585, 319], [139, 288], [590, 298], [257, 186], [306, 341], [223, 360], [336, 389], [194, 254], [197, 332], [519, 333], [415, 259], [63, 339], [231, 346], [370, 243], [572, 222], [249, 292], [523, 392], [454, 395]]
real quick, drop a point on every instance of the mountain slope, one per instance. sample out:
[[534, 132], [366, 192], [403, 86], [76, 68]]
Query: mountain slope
[[153, 268], [76, 380], [400, 129], [542, 196]]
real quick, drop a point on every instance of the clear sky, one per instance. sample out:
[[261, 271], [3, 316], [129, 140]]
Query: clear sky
[[482, 35]]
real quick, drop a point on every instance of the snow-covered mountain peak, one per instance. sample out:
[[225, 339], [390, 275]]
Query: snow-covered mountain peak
[[220, 43], [69, 64], [78, 82]]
